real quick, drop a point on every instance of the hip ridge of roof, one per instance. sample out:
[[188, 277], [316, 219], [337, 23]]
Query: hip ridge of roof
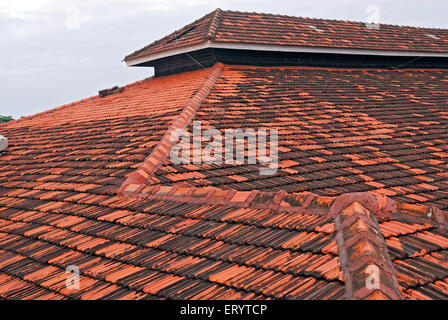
[[161, 152]]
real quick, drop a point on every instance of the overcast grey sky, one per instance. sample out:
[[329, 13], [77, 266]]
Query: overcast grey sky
[[57, 51]]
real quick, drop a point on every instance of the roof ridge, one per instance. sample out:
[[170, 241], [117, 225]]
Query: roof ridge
[[301, 202], [329, 19], [363, 254], [161, 152], [170, 36], [214, 24]]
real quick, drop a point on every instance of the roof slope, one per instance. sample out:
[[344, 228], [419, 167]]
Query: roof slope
[[222, 26], [340, 131], [59, 207], [161, 97], [362, 220]]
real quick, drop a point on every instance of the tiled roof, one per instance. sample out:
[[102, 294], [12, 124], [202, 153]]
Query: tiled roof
[[166, 237], [340, 131], [156, 97], [267, 29]]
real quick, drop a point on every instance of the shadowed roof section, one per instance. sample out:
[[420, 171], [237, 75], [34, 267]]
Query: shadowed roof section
[[235, 27]]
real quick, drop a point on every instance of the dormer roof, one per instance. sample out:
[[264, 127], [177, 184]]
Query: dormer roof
[[269, 32]]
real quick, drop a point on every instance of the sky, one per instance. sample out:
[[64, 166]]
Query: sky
[[54, 52]]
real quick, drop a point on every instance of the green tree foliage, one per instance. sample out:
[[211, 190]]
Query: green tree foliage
[[5, 118]]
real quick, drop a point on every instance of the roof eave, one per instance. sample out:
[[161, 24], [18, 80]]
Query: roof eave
[[135, 61], [279, 48]]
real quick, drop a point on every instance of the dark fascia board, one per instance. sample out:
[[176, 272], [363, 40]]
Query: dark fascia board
[[278, 48]]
